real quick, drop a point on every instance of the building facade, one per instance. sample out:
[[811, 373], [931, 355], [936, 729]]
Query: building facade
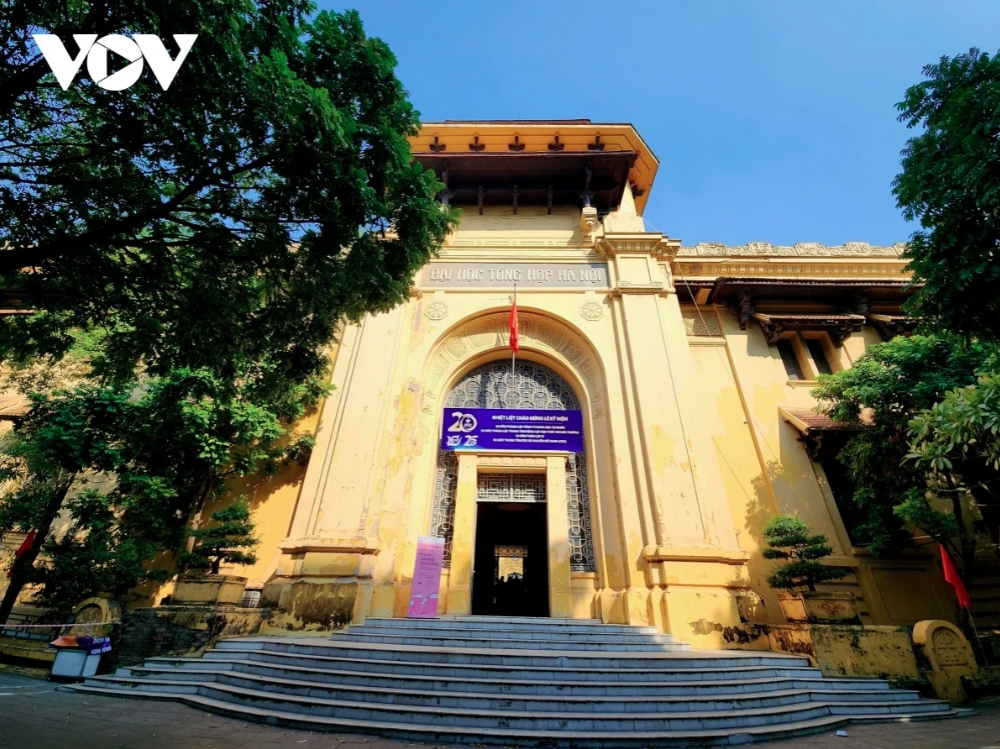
[[690, 367]]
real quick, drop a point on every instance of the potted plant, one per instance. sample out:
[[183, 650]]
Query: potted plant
[[228, 538], [789, 539]]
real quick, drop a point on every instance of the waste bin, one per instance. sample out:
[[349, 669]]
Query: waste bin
[[77, 657]]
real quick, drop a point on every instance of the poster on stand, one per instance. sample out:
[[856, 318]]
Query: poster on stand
[[426, 584]]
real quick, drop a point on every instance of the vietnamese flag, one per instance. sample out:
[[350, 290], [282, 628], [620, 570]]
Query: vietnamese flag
[[952, 578], [26, 545], [512, 324]]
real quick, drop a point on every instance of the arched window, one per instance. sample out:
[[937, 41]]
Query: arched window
[[533, 387]]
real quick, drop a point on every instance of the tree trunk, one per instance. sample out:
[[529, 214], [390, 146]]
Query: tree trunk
[[21, 569]]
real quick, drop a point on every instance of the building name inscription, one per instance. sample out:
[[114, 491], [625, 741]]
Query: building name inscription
[[459, 275]]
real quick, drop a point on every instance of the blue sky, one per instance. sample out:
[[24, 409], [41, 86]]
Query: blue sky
[[773, 121]]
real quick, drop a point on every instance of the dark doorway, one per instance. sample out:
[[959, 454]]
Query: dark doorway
[[511, 573]]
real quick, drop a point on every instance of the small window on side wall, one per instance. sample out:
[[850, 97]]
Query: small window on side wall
[[790, 359], [818, 353]]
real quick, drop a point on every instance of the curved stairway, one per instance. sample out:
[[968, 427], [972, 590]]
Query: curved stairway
[[517, 681]]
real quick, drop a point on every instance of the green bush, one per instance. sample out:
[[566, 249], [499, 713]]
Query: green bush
[[788, 538]]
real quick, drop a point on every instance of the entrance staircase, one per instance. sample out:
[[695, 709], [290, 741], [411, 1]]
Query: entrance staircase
[[517, 681]]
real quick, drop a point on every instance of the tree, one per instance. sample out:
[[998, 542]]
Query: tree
[[225, 541], [138, 461], [211, 239], [958, 440], [894, 382], [788, 538], [951, 183], [266, 196]]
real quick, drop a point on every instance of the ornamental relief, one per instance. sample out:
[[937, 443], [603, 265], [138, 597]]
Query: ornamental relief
[[536, 332]]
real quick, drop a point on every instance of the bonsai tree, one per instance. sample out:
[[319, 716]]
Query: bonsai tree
[[228, 539], [788, 538]]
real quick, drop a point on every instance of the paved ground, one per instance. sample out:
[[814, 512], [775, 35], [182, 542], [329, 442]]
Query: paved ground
[[33, 715]]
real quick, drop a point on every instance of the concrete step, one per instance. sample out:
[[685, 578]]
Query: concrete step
[[693, 683], [590, 643], [549, 720], [508, 657], [612, 702], [500, 736], [511, 635], [566, 675], [516, 682], [519, 623]]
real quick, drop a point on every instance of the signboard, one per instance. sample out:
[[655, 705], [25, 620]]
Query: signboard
[[426, 578], [459, 275], [511, 429]]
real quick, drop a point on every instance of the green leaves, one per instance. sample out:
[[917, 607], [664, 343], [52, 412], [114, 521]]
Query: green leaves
[[893, 383], [950, 183], [206, 243]]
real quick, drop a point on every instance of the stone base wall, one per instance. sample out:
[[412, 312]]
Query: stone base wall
[[849, 650], [178, 631]]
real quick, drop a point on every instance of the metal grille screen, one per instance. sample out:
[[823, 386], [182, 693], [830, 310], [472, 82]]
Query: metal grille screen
[[532, 387]]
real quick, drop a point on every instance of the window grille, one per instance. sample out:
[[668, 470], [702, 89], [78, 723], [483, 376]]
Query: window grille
[[533, 387], [511, 487]]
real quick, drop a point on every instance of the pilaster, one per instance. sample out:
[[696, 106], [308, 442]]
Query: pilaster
[[463, 544], [560, 582]]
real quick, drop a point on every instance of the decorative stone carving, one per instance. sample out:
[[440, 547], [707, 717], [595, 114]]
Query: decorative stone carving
[[436, 311], [950, 657], [537, 332], [592, 311]]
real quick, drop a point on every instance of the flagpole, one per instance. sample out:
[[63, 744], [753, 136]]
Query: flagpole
[[513, 351]]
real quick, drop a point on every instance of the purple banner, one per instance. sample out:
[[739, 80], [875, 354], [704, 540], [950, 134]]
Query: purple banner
[[511, 429]]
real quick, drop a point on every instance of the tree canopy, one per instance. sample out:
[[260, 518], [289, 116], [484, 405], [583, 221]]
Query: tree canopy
[[950, 183], [265, 197], [935, 442], [893, 383], [205, 243]]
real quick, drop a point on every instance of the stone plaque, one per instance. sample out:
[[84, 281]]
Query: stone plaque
[[461, 275], [949, 654]]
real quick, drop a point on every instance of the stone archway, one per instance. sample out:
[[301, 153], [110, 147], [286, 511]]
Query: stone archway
[[565, 360]]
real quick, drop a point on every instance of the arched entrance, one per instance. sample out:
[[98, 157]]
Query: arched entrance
[[519, 550]]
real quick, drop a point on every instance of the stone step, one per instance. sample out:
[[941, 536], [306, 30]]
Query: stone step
[[509, 657], [613, 702], [511, 635], [589, 643], [500, 736], [519, 623], [695, 684], [564, 675], [734, 720]]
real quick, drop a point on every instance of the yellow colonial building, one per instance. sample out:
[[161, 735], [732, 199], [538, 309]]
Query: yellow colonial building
[[690, 367]]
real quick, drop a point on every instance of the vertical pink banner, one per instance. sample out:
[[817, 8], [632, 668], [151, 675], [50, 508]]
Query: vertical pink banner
[[426, 578]]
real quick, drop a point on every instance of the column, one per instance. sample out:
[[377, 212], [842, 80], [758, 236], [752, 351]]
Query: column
[[557, 518], [463, 540]]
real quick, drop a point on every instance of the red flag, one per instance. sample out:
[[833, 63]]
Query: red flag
[[24, 548], [512, 324], [952, 578]]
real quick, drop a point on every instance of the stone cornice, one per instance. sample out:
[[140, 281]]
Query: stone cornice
[[330, 545], [656, 287], [803, 249], [644, 243], [882, 268]]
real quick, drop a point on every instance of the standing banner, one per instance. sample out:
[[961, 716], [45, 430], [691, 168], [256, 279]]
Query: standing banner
[[426, 578]]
